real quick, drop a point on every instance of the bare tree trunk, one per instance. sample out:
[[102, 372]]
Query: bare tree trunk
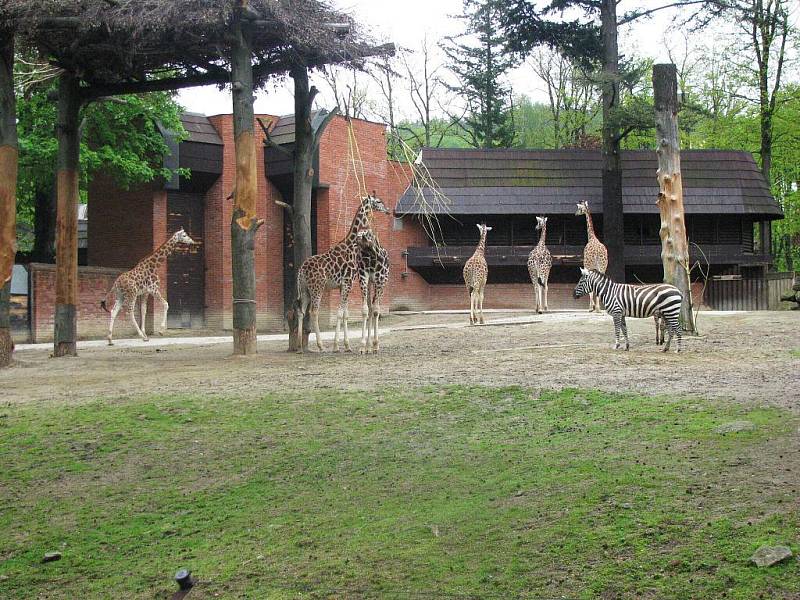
[[674, 246], [244, 224], [613, 222], [8, 189], [65, 320], [303, 183]]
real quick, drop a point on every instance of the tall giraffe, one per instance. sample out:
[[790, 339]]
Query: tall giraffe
[[140, 282], [540, 261], [373, 275], [336, 268], [475, 274], [595, 255]]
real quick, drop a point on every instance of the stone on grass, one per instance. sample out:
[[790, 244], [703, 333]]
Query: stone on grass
[[766, 556], [735, 426], [51, 556]]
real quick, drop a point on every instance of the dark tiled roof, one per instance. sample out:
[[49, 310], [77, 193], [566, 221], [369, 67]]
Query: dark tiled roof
[[283, 132], [199, 129], [553, 181]]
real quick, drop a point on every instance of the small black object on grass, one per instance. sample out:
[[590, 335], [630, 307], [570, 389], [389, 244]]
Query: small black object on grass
[[51, 557], [184, 579]]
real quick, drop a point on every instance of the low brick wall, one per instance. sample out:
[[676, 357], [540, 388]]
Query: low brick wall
[[93, 283]]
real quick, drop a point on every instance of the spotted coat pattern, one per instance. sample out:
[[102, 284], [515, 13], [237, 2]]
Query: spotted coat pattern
[[476, 272], [595, 255], [540, 261], [141, 281]]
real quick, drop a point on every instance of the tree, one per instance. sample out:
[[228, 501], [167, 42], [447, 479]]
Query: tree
[[526, 27], [119, 137], [9, 152], [478, 61]]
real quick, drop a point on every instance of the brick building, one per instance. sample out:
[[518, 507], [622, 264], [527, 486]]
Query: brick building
[[726, 198]]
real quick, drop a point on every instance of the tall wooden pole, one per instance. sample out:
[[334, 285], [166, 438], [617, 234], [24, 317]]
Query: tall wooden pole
[[65, 319], [8, 189], [613, 222], [244, 224], [674, 245]]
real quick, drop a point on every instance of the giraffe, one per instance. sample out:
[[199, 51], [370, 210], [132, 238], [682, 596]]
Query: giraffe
[[140, 282], [336, 268], [475, 274], [595, 255], [373, 275], [539, 263]]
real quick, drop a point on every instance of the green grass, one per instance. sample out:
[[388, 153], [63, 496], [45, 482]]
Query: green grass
[[795, 353], [491, 493]]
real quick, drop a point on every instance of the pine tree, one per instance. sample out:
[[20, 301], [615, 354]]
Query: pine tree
[[478, 61]]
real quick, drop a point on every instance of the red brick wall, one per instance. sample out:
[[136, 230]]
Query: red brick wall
[[93, 283]]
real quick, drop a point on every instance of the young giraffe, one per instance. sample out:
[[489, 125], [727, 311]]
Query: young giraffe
[[595, 255], [475, 274], [540, 262], [336, 268], [140, 282], [373, 275]]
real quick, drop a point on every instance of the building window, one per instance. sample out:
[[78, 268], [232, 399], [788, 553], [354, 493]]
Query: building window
[[397, 224]]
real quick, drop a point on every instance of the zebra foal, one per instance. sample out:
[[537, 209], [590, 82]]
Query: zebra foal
[[661, 301]]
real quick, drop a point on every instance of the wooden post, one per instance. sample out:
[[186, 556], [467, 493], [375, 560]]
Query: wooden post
[[613, 210], [65, 333], [244, 224], [8, 189], [674, 246]]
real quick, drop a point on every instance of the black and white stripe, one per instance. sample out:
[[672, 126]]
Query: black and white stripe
[[621, 300]]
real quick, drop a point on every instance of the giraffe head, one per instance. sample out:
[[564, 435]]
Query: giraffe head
[[366, 239], [181, 237], [583, 208], [484, 229], [541, 222], [372, 202]]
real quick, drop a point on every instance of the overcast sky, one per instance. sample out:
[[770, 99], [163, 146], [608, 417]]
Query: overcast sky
[[407, 23]]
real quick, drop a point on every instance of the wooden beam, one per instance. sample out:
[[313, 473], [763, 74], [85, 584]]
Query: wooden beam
[[674, 246], [9, 154], [65, 319], [244, 223]]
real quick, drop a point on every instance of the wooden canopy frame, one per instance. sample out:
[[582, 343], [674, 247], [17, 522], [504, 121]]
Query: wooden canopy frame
[[112, 47]]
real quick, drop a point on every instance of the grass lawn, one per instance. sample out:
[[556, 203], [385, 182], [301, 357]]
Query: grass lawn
[[477, 492]]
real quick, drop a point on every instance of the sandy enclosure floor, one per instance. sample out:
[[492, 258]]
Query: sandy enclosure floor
[[749, 357]]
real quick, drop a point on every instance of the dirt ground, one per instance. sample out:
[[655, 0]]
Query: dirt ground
[[749, 357]]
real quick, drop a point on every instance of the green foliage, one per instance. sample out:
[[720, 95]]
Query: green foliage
[[479, 63], [120, 138], [456, 491]]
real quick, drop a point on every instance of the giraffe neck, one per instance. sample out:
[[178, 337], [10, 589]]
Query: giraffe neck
[[362, 220], [481, 249], [164, 251], [543, 235], [589, 226]]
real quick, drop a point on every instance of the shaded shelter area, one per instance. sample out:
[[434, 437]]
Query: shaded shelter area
[[726, 198], [112, 47]]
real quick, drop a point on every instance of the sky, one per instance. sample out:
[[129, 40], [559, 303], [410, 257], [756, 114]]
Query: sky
[[407, 23]]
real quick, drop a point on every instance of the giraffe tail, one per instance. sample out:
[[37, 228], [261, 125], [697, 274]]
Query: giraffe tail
[[540, 280], [103, 306]]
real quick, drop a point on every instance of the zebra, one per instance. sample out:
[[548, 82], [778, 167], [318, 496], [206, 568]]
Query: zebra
[[661, 301]]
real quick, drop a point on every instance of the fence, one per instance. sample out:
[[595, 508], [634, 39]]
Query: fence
[[748, 294]]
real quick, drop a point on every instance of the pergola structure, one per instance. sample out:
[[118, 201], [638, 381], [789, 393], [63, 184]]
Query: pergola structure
[[111, 47]]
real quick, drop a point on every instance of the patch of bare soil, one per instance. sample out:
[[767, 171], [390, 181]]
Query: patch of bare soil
[[747, 357]]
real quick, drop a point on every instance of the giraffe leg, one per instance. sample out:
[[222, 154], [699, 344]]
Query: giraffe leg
[[114, 312], [591, 302], [480, 300], [471, 306], [375, 309], [364, 316], [302, 304], [345, 313], [165, 308], [143, 302], [315, 321], [546, 309], [132, 312]]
